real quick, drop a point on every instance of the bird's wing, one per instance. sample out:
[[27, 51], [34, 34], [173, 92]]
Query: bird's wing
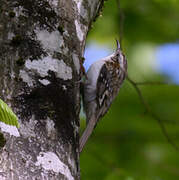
[[104, 90]]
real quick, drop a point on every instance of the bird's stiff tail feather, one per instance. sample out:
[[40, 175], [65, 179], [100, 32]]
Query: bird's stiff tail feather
[[87, 132]]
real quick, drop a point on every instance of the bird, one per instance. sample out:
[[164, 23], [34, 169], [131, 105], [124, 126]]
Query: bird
[[103, 82]]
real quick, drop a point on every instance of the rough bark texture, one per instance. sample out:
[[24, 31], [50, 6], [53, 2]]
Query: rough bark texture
[[41, 45]]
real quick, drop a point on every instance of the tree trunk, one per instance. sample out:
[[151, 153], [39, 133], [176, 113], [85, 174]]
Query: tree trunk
[[41, 46]]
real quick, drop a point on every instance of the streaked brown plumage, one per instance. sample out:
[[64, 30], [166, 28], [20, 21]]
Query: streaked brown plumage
[[104, 79]]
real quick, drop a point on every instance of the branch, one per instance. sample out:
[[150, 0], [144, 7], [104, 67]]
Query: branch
[[121, 22], [154, 83], [151, 113], [150, 83], [135, 85]]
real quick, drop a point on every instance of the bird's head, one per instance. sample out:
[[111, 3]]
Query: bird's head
[[120, 57]]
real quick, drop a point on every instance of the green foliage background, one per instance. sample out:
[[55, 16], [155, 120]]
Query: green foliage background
[[128, 143]]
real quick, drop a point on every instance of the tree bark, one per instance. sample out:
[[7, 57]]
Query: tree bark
[[41, 46]]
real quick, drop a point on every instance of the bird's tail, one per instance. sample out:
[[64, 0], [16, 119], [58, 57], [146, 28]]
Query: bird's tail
[[87, 132]]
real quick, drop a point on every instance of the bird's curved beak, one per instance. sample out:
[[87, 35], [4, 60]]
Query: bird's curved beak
[[118, 45]]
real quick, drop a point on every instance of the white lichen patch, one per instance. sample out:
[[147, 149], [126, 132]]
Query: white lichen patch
[[51, 41], [76, 129], [50, 161], [79, 31], [10, 35], [26, 78], [27, 129], [64, 71], [42, 66], [72, 162], [44, 81], [54, 2], [65, 50], [81, 9], [12, 130], [66, 33], [19, 11], [76, 62], [78, 3], [50, 127], [64, 87]]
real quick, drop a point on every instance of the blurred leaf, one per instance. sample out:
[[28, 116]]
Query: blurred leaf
[[144, 20], [7, 116]]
